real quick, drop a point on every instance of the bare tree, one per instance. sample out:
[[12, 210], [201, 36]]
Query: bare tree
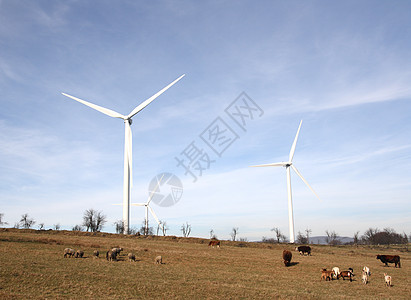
[[212, 234], [1, 220], [146, 230], [41, 226], [307, 233], [280, 237], [93, 220], [26, 222], [356, 238], [56, 226], [77, 228], [332, 237], [301, 239], [186, 229], [164, 228], [234, 233], [119, 226]]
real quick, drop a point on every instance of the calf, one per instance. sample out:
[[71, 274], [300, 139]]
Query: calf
[[349, 274], [326, 275], [393, 259], [131, 257], [304, 250], [287, 255], [387, 279]]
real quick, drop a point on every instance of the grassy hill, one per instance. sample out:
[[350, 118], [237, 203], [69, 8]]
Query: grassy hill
[[32, 267]]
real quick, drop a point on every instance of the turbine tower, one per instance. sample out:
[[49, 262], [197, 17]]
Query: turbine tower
[[287, 166], [127, 144], [148, 207]]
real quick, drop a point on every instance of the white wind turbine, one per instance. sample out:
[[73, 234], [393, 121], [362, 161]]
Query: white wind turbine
[[148, 207], [127, 144], [287, 166]]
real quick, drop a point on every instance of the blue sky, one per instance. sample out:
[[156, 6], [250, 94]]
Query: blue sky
[[341, 67]]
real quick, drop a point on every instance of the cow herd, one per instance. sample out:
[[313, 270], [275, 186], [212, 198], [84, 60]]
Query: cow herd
[[335, 273], [326, 275], [111, 255]]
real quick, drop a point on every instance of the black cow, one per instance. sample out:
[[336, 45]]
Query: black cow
[[304, 250], [393, 259]]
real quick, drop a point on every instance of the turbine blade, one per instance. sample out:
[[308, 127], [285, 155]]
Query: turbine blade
[[279, 164], [154, 215], [155, 190], [103, 110], [138, 204], [149, 100], [305, 181], [295, 143]]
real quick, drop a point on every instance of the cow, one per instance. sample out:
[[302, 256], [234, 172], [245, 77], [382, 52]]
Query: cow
[[393, 259], [287, 255], [214, 243], [96, 254], [349, 274], [304, 250], [387, 279], [366, 270], [327, 275]]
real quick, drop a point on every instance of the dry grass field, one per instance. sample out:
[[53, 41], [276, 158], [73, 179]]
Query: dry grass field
[[32, 267]]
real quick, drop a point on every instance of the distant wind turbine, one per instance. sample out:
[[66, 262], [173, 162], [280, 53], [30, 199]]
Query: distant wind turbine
[[287, 166], [148, 207], [127, 144]]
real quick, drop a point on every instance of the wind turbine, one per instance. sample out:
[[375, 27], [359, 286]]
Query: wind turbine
[[127, 144], [148, 207], [287, 166]]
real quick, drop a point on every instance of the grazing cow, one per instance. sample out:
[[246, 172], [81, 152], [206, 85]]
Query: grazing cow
[[364, 277], [69, 252], [336, 271], [287, 255], [96, 254], [111, 256], [214, 243], [349, 274], [158, 260], [131, 257], [327, 275], [366, 270], [79, 254], [304, 250], [387, 279], [393, 259]]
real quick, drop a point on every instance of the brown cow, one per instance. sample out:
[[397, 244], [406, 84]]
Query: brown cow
[[214, 243], [393, 259], [349, 274], [287, 255]]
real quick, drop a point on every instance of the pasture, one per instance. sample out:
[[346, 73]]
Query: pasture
[[32, 267]]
